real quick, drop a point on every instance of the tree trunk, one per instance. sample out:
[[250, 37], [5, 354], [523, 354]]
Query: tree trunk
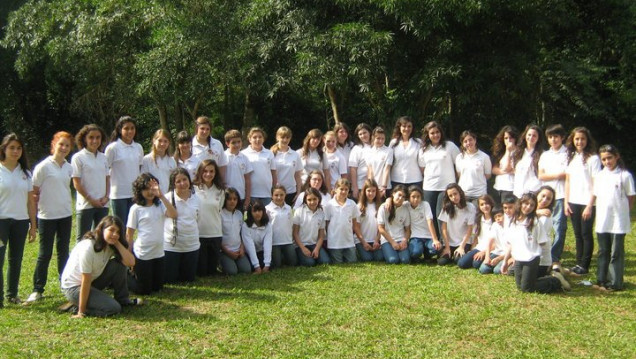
[[163, 116], [178, 116], [451, 116], [334, 105], [249, 113]]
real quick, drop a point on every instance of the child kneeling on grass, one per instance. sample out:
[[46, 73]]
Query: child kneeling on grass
[[98, 261]]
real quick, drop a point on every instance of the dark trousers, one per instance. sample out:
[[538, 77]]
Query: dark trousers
[[583, 234], [209, 255], [181, 267], [434, 199], [52, 231], [121, 207], [527, 281], [150, 275], [13, 235], [289, 198], [611, 260], [87, 219]]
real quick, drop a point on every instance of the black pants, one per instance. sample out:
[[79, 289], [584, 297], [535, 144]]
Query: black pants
[[527, 281], [583, 234], [150, 275], [209, 254]]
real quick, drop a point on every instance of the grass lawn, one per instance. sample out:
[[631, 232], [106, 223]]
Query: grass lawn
[[362, 311]]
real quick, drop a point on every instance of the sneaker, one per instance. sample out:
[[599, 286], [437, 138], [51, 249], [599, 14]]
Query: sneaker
[[66, 307], [34, 297], [15, 300], [134, 302], [564, 283], [578, 270]]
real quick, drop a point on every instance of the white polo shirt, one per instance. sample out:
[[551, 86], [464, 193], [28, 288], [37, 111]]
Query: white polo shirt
[[525, 244], [337, 166], [281, 220], [92, 170], [258, 239], [191, 164], [526, 179], [160, 168], [54, 182], [148, 222], [439, 166], [368, 224], [340, 227], [554, 162], [405, 163], [237, 167], [262, 164], [473, 169], [395, 228], [484, 233], [612, 189], [581, 175], [84, 259], [378, 158], [14, 193], [124, 161], [505, 182], [309, 224], [458, 225], [232, 222], [212, 151], [419, 220], [287, 165], [546, 243], [211, 201], [357, 160], [187, 225], [312, 162]]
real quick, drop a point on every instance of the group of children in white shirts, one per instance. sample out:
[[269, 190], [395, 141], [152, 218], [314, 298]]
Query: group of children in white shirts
[[184, 214]]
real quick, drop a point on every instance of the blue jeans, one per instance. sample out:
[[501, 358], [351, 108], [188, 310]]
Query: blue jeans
[[234, 267], [391, 256], [87, 219], [284, 253], [488, 269], [48, 229], [467, 261], [342, 255], [369, 256], [323, 257], [121, 207], [611, 260], [560, 224], [13, 234], [419, 246], [99, 303], [444, 260], [181, 266]]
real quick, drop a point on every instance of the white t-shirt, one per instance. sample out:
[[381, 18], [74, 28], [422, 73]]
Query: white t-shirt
[[14, 193], [212, 151], [368, 224], [612, 189], [346, 152], [525, 244], [458, 225], [498, 233], [187, 225], [526, 179], [473, 169], [506, 181], [237, 167], [211, 200], [395, 228], [258, 239], [484, 233], [92, 170], [263, 164], [357, 160], [325, 197], [232, 222], [55, 190], [337, 166], [281, 220], [309, 224], [546, 243], [124, 161], [312, 162], [378, 158], [148, 221], [581, 175], [160, 168], [419, 220], [84, 259], [554, 162], [191, 164], [340, 227], [287, 165], [405, 162], [439, 166]]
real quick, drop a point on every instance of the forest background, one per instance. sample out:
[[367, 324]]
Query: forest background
[[469, 64]]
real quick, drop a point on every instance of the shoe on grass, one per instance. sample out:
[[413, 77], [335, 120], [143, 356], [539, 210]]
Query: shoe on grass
[[133, 302], [66, 307], [34, 297], [564, 283], [15, 300]]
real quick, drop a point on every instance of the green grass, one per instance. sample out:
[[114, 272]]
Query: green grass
[[360, 311]]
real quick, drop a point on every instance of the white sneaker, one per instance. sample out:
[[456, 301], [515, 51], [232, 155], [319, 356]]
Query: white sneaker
[[34, 297], [564, 283]]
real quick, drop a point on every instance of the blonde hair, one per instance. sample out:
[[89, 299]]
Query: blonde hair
[[283, 131], [160, 133]]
